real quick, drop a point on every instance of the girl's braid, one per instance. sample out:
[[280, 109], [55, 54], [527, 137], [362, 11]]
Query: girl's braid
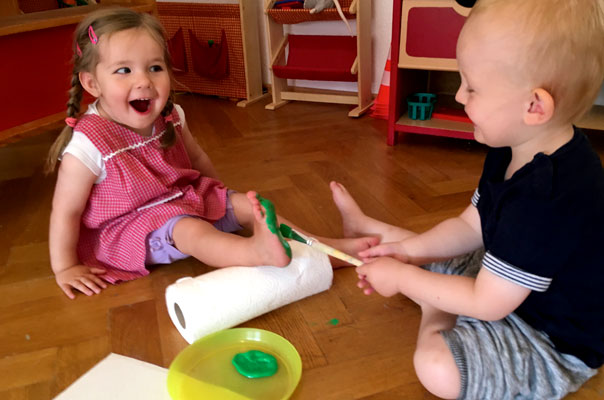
[[76, 93]]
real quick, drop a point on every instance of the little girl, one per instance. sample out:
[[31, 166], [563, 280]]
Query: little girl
[[134, 188]]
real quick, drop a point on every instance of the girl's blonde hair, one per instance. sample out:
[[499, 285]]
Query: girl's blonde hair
[[560, 47], [105, 22]]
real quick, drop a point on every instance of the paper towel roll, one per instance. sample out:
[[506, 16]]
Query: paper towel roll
[[229, 296]]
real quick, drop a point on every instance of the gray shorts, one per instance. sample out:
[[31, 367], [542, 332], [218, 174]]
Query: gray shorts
[[507, 359], [160, 245]]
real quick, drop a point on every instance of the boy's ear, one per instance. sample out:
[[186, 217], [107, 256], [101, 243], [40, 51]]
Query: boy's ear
[[540, 109], [89, 83]]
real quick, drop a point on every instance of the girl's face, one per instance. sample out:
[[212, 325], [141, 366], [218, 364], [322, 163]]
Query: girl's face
[[131, 80]]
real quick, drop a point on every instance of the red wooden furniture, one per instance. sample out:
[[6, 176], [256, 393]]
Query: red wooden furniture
[[35, 68], [324, 58], [231, 65], [329, 62], [424, 37]]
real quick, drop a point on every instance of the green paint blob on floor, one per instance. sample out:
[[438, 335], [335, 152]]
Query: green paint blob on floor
[[334, 321]]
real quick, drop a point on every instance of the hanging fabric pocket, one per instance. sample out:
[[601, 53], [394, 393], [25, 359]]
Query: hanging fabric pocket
[[210, 60], [176, 47]]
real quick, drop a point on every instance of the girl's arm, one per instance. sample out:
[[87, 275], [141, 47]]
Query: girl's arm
[[199, 159], [450, 238], [487, 297], [74, 183]]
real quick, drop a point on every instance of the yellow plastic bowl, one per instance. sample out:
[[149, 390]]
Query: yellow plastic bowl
[[204, 370]]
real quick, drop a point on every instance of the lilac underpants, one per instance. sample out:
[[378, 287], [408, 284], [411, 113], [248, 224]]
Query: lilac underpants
[[160, 246]]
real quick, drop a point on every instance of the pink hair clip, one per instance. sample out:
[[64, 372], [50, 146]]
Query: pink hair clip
[[71, 122], [78, 50], [93, 38], [169, 118]]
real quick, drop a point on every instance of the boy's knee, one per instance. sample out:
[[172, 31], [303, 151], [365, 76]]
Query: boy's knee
[[437, 371]]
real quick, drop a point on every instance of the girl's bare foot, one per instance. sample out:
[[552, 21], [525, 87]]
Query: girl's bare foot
[[267, 244], [352, 215]]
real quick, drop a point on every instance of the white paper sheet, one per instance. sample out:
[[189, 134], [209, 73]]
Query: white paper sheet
[[118, 377]]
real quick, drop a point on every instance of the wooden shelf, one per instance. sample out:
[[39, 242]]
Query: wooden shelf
[[438, 127], [54, 18], [413, 71], [297, 16], [360, 69]]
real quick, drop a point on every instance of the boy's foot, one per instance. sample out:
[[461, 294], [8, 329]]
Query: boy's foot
[[351, 246], [352, 215], [268, 246]]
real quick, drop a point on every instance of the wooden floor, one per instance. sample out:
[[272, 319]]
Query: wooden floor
[[289, 156]]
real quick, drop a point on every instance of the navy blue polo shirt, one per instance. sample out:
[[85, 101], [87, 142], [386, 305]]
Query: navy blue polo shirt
[[544, 229]]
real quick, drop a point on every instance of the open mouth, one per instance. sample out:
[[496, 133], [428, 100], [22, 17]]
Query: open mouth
[[141, 105]]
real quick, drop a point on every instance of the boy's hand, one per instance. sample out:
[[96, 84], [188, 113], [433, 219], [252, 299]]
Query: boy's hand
[[80, 277], [381, 275], [392, 249]]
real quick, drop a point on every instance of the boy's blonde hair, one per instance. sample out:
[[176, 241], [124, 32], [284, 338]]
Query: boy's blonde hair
[[104, 23], [561, 47]]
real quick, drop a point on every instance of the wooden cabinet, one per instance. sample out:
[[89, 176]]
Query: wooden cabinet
[[231, 66], [424, 37]]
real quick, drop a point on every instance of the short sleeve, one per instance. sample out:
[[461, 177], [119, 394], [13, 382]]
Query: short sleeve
[[533, 240], [475, 198], [181, 113], [84, 150]]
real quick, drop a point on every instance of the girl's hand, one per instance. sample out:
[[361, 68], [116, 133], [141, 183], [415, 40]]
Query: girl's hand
[[80, 277], [392, 249], [381, 275]]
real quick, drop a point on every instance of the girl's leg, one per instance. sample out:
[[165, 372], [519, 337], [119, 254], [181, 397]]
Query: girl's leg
[[352, 246], [356, 223], [433, 360], [219, 249]]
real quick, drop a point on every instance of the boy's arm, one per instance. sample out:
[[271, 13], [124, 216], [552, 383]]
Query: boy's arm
[[72, 189], [486, 297], [450, 238], [199, 159]]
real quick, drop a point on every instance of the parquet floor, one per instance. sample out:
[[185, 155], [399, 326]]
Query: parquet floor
[[289, 156]]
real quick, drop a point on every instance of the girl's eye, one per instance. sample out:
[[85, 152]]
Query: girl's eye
[[470, 90], [124, 70], [156, 68]]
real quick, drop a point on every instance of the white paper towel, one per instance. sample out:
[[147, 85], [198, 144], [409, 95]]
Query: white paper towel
[[229, 296]]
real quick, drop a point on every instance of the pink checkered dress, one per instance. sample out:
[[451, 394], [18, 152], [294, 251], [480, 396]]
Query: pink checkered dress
[[145, 186]]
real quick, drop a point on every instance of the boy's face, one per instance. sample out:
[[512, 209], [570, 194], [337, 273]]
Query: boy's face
[[131, 79], [494, 97]]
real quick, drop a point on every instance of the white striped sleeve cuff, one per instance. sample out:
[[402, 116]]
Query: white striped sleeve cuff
[[515, 275], [475, 198]]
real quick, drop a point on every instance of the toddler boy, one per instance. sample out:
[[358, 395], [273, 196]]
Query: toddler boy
[[525, 318]]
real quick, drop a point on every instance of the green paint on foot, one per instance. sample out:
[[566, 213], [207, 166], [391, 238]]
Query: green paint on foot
[[334, 321], [271, 222], [255, 364]]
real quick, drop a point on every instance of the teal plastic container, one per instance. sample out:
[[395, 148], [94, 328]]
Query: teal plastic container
[[421, 105]]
